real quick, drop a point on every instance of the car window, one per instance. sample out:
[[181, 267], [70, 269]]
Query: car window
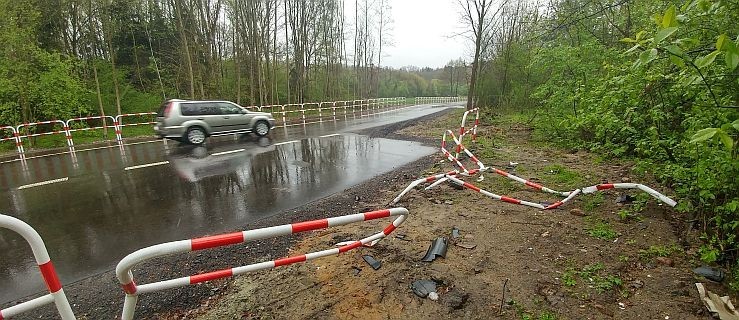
[[227, 108], [209, 108], [189, 109]]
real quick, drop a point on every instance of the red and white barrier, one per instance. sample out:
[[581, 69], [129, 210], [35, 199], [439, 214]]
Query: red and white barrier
[[69, 128], [463, 171], [133, 290], [15, 137], [64, 131], [56, 292], [473, 129], [118, 123]]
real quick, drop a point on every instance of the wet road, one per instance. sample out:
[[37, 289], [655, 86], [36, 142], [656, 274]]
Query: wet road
[[94, 207]]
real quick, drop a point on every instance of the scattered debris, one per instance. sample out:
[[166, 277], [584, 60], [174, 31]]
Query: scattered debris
[[437, 249], [709, 273], [622, 306], [717, 306], [357, 198], [665, 261], [402, 236], [456, 300], [455, 233], [637, 284], [578, 212], [433, 296], [480, 178], [423, 288], [625, 198], [545, 234], [448, 202], [357, 270], [372, 262], [468, 246]]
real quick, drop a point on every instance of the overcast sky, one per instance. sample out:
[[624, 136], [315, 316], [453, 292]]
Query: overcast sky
[[421, 34]]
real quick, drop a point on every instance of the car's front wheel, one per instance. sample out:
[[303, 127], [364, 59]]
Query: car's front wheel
[[261, 128], [195, 135]]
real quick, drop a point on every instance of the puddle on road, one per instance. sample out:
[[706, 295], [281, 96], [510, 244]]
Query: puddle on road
[[90, 222]]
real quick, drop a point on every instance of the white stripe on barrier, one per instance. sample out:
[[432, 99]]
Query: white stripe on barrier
[[146, 165], [42, 183]]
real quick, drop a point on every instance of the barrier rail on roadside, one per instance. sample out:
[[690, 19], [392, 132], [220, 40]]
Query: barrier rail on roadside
[[287, 115], [461, 171], [133, 290], [48, 273]]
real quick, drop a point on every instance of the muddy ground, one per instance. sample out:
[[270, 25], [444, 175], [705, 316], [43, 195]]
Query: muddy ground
[[591, 259]]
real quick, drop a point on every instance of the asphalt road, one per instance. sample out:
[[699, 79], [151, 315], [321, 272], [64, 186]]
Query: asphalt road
[[92, 207]]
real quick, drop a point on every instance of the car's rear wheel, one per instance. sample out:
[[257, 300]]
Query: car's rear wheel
[[261, 128], [195, 135]]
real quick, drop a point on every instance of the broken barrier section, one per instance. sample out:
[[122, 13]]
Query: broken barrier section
[[133, 290], [473, 129], [56, 292]]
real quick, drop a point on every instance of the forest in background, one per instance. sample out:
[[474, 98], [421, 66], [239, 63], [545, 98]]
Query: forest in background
[[652, 81], [67, 58]]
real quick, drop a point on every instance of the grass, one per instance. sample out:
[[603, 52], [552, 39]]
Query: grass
[[593, 202], [659, 251], [602, 230], [594, 275], [560, 175]]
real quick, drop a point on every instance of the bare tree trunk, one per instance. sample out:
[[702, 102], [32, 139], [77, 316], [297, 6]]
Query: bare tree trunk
[[183, 37]]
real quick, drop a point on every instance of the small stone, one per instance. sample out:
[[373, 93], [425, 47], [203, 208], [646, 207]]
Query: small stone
[[577, 212], [545, 234], [625, 179], [449, 202], [433, 296], [637, 284], [665, 261], [456, 300], [477, 270]]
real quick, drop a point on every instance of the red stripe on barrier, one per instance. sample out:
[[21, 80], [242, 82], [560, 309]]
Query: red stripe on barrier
[[554, 205], [510, 200], [220, 274], [533, 185], [309, 225], [353, 245], [431, 178], [604, 186], [216, 241], [50, 277], [468, 185], [1, 315], [376, 214], [129, 288], [289, 260], [501, 172], [389, 229]]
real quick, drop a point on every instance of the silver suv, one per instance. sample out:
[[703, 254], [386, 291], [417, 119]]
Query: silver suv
[[193, 121]]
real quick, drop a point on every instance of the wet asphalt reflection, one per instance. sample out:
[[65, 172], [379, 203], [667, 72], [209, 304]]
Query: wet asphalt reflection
[[94, 207]]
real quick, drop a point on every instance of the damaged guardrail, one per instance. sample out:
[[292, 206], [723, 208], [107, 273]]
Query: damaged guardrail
[[51, 279], [462, 171], [125, 266]]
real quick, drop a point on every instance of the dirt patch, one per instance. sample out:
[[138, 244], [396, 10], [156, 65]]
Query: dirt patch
[[592, 259]]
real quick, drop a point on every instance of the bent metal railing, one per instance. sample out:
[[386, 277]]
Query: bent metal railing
[[124, 268], [56, 292]]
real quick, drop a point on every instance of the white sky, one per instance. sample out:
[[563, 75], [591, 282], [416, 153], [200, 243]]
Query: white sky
[[421, 33]]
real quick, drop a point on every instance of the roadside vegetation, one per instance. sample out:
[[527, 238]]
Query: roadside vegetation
[[652, 81], [72, 58]]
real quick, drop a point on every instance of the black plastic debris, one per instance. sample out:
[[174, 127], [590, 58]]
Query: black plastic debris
[[709, 273], [372, 262], [422, 288], [402, 236], [437, 249], [455, 233], [625, 198]]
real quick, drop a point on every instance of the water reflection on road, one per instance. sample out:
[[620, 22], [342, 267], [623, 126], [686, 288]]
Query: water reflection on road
[[105, 211]]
